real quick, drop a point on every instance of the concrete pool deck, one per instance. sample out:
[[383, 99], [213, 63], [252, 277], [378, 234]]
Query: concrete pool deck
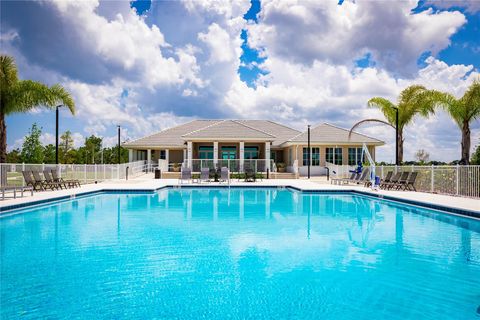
[[148, 184]]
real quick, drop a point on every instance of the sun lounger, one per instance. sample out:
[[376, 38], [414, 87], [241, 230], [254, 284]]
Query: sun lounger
[[29, 181], [43, 183], [49, 179], [401, 180], [204, 175], [185, 175], [393, 180], [69, 182], [387, 179], [224, 174], [345, 180], [408, 184]]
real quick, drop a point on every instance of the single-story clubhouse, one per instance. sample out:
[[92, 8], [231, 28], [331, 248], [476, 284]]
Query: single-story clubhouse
[[264, 144]]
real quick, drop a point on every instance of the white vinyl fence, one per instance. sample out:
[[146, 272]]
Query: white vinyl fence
[[453, 180], [11, 173]]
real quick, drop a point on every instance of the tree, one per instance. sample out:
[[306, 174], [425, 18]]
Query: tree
[[463, 111], [93, 146], [49, 153], [422, 156], [23, 95], [476, 155], [65, 146], [14, 156], [413, 100], [32, 149]]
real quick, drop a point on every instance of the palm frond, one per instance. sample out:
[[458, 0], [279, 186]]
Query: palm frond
[[59, 95], [471, 101], [385, 106], [359, 123]]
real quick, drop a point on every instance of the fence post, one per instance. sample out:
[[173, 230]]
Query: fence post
[[432, 180], [118, 171], [85, 173], [23, 169], [457, 174], [381, 171], [43, 166], [104, 172], [396, 169], [95, 171]]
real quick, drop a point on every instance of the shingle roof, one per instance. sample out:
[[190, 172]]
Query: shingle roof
[[172, 136], [263, 130], [227, 129], [281, 132], [327, 133]]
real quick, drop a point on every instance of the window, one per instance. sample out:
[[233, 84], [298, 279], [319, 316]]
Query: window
[[336, 158], [315, 156], [250, 152], [163, 155], [355, 155], [229, 153], [273, 155], [205, 152]]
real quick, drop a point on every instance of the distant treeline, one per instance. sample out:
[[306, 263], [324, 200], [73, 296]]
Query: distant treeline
[[34, 151]]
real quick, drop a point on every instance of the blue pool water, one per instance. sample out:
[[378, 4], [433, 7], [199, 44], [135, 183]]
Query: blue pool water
[[238, 254]]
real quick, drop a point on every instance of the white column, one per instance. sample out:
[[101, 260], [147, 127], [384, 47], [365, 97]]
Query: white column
[[242, 155], [184, 155], [267, 155], [215, 153], [189, 154], [149, 158], [130, 155], [167, 156]]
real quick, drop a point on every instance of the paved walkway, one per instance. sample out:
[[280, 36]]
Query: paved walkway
[[145, 183]]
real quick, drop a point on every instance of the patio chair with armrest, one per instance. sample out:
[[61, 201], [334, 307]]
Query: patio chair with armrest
[[48, 178], [70, 182], [44, 183]]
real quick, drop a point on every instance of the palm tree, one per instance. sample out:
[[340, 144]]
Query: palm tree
[[463, 111], [412, 101], [23, 95]]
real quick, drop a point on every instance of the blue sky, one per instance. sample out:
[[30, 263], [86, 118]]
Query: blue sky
[[150, 65]]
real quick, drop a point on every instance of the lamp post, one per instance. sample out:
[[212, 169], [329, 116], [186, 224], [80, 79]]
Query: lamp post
[[309, 151], [56, 132], [118, 144]]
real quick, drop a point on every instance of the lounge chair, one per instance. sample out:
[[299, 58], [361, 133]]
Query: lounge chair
[[393, 180], [409, 184], [185, 175], [30, 182], [361, 178], [224, 174], [43, 183], [344, 180], [387, 178], [70, 182], [397, 184], [49, 179], [205, 175]]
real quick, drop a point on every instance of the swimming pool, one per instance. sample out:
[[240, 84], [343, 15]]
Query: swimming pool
[[238, 253]]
